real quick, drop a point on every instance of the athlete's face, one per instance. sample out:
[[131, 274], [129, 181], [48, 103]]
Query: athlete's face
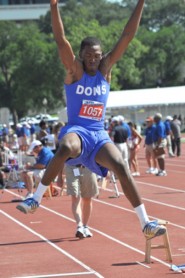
[[91, 57]]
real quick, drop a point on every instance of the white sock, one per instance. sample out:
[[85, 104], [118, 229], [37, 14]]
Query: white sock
[[41, 189], [142, 215]]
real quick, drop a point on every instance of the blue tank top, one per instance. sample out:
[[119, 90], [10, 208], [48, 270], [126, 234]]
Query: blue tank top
[[87, 100]]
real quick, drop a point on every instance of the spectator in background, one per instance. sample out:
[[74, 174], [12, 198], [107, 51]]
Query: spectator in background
[[7, 161], [14, 143], [1, 167], [159, 138], [176, 137], [169, 135], [56, 130], [25, 136], [124, 124], [110, 126], [119, 135], [106, 124], [82, 186], [32, 131], [44, 130], [149, 152], [49, 140], [1, 179], [134, 142], [176, 120], [5, 134], [180, 119], [18, 133], [32, 174]]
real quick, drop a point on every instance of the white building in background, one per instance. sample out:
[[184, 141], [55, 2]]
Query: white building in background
[[138, 104]]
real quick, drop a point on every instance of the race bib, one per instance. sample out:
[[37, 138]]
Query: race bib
[[92, 110]]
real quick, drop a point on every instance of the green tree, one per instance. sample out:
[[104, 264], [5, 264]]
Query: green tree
[[164, 13], [85, 10], [160, 13], [8, 49], [30, 69], [165, 54]]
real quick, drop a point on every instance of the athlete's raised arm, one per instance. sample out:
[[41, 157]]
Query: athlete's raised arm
[[127, 35], [64, 47]]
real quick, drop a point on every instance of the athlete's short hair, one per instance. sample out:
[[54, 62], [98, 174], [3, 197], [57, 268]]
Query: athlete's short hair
[[89, 41]]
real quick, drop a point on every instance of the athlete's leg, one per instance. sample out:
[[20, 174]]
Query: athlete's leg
[[110, 157], [70, 147]]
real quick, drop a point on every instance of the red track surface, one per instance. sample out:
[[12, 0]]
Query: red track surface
[[44, 245]]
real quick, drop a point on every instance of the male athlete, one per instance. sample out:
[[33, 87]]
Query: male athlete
[[84, 140]]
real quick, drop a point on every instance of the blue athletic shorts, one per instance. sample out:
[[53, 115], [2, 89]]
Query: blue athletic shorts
[[92, 141]]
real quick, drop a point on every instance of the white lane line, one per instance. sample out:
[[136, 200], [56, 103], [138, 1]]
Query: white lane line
[[132, 211], [142, 264], [144, 165], [152, 201], [156, 202], [97, 231], [161, 187], [52, 244], [163, 204], [119, 207], [91, 271], [107, 236], [56, 275]]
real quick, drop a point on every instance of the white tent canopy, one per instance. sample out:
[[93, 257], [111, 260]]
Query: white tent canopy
[[147, 97], [138, 104]]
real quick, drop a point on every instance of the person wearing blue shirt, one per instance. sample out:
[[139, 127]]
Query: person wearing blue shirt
[[32, 174], [25, 136], [125, 125], [159, 138], [149, 152], [32, 131], [5, 134]]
